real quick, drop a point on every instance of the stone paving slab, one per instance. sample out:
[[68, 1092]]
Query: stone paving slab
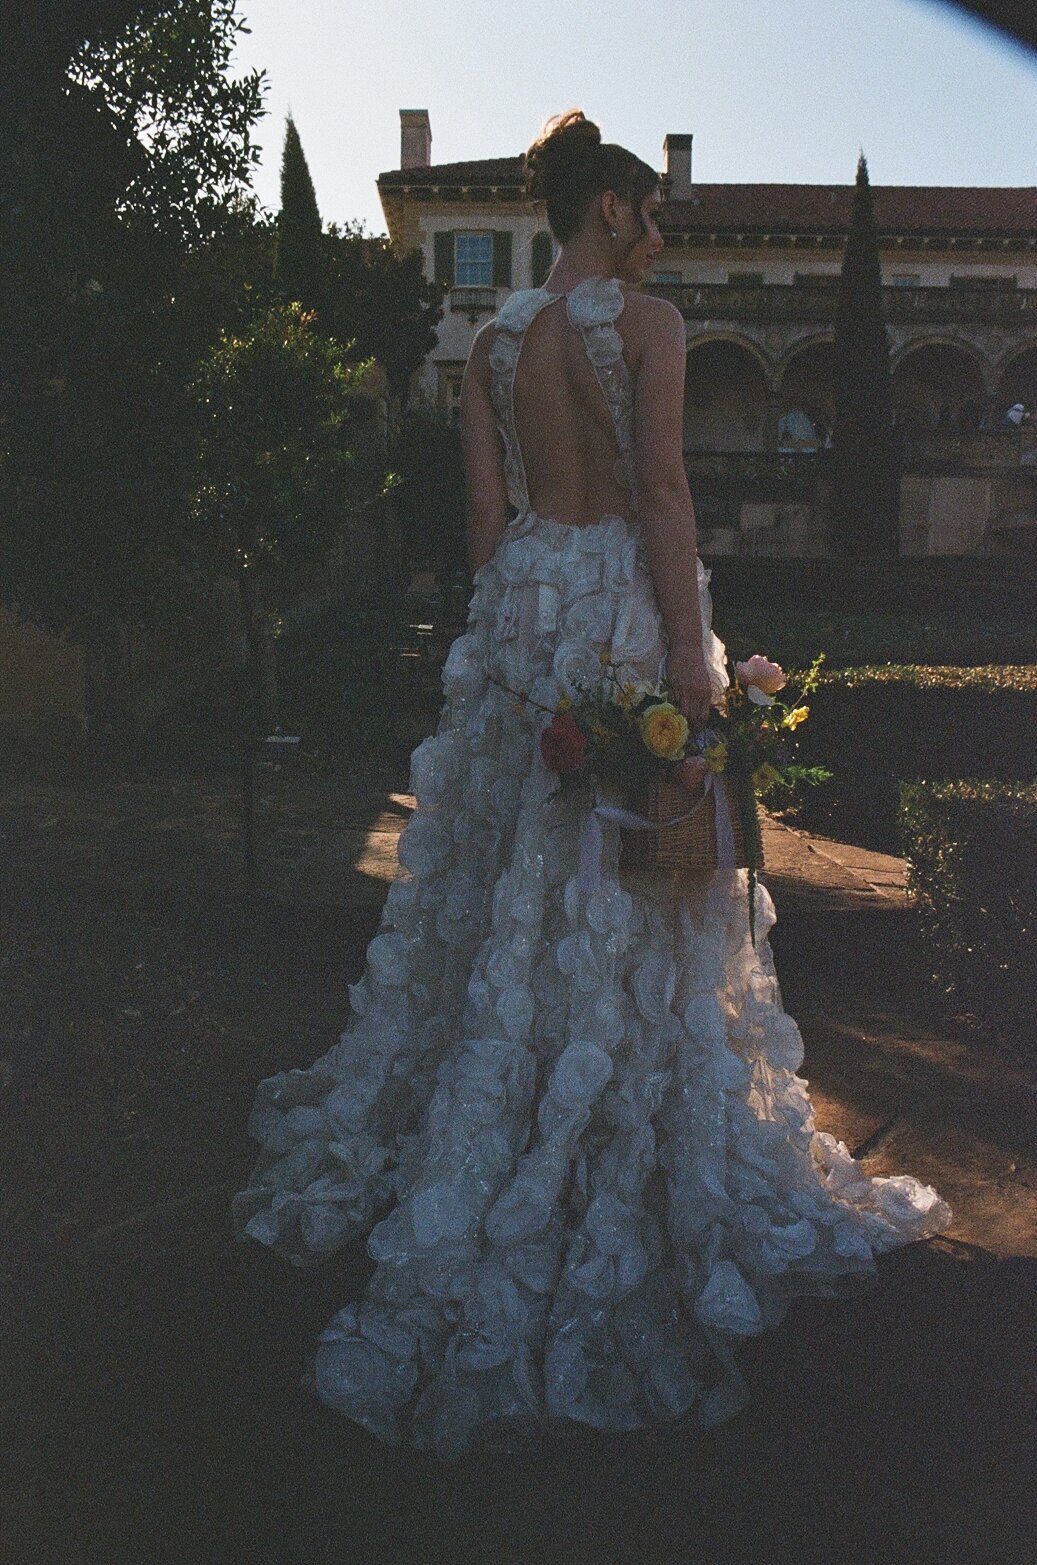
[[882, 871], [830, 873]]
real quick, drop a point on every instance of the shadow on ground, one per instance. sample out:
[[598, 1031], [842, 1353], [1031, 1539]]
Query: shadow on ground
[[151, 1365], [894, 1425]]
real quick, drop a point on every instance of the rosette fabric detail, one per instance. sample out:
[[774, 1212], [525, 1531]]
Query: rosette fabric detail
[[567, 1126]]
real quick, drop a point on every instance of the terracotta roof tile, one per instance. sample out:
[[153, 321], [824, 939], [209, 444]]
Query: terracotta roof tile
[[744, 208], [900, 209], [481, 171]]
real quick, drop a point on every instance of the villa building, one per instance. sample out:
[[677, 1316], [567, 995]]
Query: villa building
[[754, 270]]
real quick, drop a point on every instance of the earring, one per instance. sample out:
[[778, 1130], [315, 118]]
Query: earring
[[612, 231]]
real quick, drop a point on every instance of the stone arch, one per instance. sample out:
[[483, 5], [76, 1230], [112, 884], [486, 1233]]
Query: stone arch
[[936, 339], [727, 334], [726, 395], [939, 382], [814, 339], [805, 383], [1017, 376]]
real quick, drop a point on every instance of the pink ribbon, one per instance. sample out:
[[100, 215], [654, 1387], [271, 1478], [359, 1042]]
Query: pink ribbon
[[591, 836]]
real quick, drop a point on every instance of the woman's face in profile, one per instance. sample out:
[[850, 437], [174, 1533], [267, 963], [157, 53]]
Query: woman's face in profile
[[640, 256]]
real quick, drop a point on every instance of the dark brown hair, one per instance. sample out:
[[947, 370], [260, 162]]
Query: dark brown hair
[[569, 165]]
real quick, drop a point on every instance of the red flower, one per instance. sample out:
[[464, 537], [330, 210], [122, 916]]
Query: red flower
[[562, 743]]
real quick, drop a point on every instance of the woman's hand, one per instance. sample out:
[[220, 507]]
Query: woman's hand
[[689, 677]]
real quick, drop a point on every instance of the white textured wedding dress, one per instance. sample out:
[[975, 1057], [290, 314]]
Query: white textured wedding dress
[[567, 1125]]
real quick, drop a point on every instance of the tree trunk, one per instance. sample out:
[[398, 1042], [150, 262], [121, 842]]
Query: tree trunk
[[252, 724]]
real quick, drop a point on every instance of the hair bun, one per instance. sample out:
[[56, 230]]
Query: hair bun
[[566, 141]]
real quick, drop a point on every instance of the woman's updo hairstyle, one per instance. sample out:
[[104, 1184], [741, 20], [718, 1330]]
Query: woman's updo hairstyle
[[569, 165]]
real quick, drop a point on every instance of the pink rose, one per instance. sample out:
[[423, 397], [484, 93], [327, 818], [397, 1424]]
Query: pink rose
[[762, 673], [690, 773]]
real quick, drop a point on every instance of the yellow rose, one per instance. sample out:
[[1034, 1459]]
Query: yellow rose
[[765, 776], [799, 714], [664, 730], [715, 756]]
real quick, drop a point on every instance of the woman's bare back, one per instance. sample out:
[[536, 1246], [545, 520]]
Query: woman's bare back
[[564, 427]]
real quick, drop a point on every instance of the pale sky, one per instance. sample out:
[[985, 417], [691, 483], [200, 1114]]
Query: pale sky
[[773, 91]]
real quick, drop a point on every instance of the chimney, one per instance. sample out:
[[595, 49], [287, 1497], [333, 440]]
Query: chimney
[[415, 139], [677, 165]]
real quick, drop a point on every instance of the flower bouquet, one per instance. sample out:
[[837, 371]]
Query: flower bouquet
[[693, 796]]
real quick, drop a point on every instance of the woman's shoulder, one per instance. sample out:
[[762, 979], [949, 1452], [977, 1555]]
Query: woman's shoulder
[[647, 320], [649, 310]]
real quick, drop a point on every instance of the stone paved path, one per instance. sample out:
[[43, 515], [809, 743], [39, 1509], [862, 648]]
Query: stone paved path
[[916, 1099], [152, 1404]]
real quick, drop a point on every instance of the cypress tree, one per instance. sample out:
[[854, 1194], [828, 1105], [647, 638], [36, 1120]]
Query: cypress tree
[[864, 499], [298, 256]]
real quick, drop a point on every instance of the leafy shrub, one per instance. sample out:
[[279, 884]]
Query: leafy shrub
[[971, 846], [425, 457], [877, 726]]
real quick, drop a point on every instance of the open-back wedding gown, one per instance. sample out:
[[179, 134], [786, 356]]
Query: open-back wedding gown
[[567, 1125]]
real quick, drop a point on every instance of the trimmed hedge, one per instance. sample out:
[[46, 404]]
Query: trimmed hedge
[[971, 847], [880, 725], [985, 677], [973, 590], [793, 635]]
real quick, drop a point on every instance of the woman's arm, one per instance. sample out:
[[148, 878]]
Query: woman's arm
[[486, 512], [665, 508]]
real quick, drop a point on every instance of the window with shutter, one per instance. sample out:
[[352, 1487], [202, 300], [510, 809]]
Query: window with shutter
[[473, 263], [541, 257], [502, 258]]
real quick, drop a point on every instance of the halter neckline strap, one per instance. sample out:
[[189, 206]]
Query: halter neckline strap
[[593, 301], [584, 282]]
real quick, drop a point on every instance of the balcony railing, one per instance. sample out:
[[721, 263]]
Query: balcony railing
[[978, 451], [759, 475], [723, 479], [817, 304], [721, 482], [473, 302]]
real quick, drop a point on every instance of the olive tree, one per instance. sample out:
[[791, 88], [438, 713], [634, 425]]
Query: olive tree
[[287, 456]]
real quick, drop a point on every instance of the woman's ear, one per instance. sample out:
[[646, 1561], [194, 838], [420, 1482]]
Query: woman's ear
[[608, 207]]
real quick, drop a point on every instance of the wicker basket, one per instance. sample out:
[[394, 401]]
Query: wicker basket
[[691, 844]]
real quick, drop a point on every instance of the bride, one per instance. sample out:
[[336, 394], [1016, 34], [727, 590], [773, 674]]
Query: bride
[[565, 1121]]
